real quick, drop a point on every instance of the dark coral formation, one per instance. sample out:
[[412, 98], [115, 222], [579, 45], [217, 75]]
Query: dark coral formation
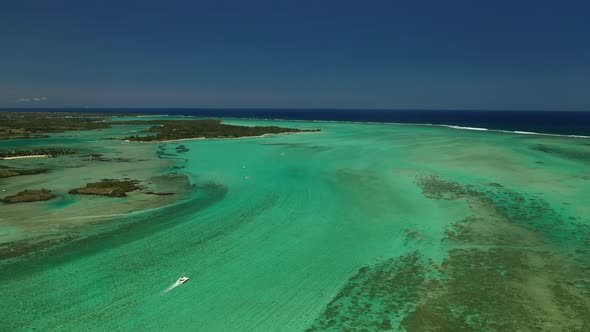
[[20, 248], [108, 187], [502, 289], [182, 149], [504, 273], [101, 157], [576, 153], [160, 193], [8, 172], [376, 297]]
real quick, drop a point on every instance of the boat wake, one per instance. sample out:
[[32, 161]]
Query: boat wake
[[169, 288], [178, 282]]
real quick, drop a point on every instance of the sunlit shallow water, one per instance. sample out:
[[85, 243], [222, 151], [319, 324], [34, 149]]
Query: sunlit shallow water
[[371, 226]]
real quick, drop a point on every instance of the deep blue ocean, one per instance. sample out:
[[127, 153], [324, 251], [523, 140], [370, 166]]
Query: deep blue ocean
[[550, 122]]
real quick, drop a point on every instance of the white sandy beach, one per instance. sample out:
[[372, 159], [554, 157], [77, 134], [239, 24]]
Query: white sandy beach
[[25, 157]]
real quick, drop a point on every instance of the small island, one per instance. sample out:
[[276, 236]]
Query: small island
[[171, 130], [29, 196], [107, 187]]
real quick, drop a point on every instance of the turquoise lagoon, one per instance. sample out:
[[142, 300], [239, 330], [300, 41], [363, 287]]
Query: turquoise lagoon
[[360, 226]]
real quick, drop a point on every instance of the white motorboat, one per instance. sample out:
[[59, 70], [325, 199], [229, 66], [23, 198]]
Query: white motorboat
[[181, 280]]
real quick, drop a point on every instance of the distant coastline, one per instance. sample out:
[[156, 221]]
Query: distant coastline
[[564, 123], [173, 130]]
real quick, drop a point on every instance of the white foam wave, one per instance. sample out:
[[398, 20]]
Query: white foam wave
[[541, 134], [466, 128], [519, 132]]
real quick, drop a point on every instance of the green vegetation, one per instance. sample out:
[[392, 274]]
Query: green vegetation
[[108, 187], [29, 196], [51, 152], [181, 129], [6, 172], [35, 124]]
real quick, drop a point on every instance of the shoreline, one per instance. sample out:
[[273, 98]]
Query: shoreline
[[190, 139], [26, 157], [203, 138]]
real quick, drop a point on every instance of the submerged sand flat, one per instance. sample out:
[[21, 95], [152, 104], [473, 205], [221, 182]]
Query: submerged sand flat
[[68, 215], [360, 226]]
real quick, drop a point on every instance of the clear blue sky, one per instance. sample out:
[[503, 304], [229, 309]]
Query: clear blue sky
[[297, 54]]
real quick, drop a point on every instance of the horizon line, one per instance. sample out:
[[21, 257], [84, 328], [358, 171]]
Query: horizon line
[[2, 109]]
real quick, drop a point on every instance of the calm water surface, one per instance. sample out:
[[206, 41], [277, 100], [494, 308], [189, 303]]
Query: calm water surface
[[375, 226]]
